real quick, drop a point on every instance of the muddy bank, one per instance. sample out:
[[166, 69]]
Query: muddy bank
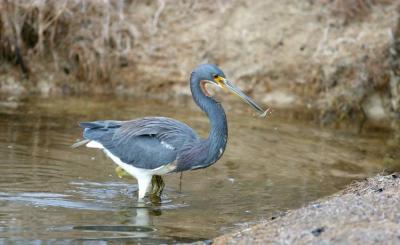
[[367, 212], [339, 58]]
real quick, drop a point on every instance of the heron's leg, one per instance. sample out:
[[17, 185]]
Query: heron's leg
[[157, 185], [144, 184], [180, 183]]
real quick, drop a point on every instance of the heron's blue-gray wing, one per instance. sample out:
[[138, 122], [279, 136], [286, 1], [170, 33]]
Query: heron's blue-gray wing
[[148, 142]]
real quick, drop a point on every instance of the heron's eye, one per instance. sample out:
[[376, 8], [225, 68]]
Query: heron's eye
[[215, 76]]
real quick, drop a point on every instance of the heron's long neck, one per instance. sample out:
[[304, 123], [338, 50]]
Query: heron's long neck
[[218, 135]]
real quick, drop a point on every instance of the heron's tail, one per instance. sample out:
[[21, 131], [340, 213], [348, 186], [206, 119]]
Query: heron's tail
[[80, 143]]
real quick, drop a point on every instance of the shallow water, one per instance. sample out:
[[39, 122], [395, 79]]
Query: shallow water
[[50, 192]]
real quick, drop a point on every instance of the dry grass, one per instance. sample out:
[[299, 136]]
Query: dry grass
[[351, 85], [329, 54], [354, 10], [85, 38]]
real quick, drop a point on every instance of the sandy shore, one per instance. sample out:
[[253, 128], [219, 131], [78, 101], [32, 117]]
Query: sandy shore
[[366, 212]]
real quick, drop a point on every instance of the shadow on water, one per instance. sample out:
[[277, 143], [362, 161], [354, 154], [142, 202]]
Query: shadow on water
[[49, 192]]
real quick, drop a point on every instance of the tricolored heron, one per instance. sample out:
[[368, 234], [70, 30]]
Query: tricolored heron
[[149, 147]]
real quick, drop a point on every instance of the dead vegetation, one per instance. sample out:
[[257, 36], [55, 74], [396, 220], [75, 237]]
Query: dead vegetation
[[331, 56], [353, 10], [86, 38]]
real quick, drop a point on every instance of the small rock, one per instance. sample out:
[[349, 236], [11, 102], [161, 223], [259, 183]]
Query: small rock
[[374, 108], [395, 176], [277, 215], [318, 231], [207, 242], [316, 205], [379, 190]]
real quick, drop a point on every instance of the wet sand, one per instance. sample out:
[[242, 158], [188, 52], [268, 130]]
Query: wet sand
[[366, 212]]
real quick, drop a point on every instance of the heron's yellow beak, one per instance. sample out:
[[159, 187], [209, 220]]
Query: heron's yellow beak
[[220, 81], [226, 85]]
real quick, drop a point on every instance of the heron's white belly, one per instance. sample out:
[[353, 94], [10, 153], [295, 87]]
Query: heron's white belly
[[94, 144], [138, 173]]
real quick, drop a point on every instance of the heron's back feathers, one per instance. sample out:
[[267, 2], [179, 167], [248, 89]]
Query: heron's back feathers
[[148, 142]]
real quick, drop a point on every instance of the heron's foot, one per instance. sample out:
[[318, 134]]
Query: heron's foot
[[121, 172], [155, 199], [157, 186]]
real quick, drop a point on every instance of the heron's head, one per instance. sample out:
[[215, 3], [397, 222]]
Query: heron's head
[[210, 74]]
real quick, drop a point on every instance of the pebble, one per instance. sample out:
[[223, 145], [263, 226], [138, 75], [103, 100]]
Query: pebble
[[318, 231]]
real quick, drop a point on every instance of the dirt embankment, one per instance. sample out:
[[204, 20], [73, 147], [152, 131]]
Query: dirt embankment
[[340, 58], [365, 213]]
